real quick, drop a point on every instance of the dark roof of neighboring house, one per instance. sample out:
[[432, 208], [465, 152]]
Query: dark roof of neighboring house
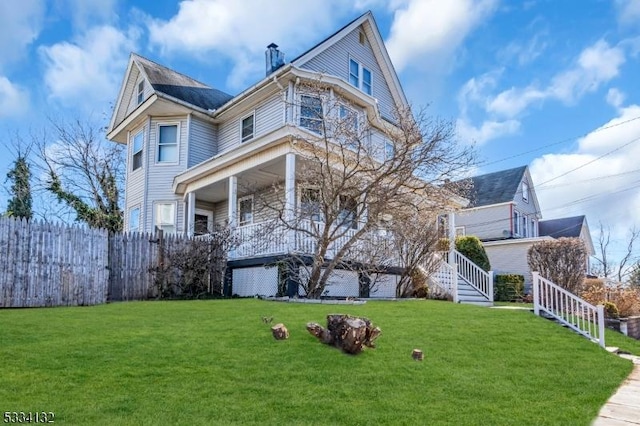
[[496, 187], [182, 87], [563, 227]]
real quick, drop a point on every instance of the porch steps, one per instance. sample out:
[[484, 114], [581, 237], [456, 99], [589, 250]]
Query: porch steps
[[470, 296]]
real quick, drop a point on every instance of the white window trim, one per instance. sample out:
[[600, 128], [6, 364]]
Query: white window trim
[[139, 93], [253, 208], [204, 212], [516, 223], [136, 207], [525, 185], [157, 144], [461, 231], [253, 134], [361, 69], [133, 152], [175, 213], [300, 116]]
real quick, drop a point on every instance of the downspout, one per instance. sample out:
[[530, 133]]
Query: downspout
[[511, 220]]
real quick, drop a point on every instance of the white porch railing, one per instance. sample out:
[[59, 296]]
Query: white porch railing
[[256, 239], [474, 275], [445, 278], [568, 309]]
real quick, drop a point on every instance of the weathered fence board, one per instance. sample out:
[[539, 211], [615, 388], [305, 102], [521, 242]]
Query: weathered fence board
[[45, 264]]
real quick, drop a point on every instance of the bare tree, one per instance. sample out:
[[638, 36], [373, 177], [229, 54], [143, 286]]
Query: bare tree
[[356, 175], [415, 247], [83, 171], [608, 268], [562, 261]]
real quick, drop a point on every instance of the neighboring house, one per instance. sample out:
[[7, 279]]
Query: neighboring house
[[570, 227], [505, 214], [193, 150]]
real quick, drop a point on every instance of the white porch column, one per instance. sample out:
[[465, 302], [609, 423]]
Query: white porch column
[[451, 222], [233, 200], [290, 197], [191, 214]]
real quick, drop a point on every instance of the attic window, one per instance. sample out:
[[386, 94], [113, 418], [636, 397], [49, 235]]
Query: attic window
[[361, 38], [359, 76], [525, 192], [140, 92]]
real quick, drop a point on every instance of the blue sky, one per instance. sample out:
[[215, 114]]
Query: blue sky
[[551, 84]]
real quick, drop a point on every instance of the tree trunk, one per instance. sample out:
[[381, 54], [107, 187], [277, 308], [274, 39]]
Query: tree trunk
[[280, 332], [351, 334]]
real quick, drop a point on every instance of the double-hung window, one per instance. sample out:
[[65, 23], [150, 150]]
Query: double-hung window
[[168, 143], [165, 217], [311, 113], [138, 143], [516, 223], [348, 119], [134, 219], [360, 76], [245, 210], [140, 97], [525, 192], [348, 212], [310, 204], [248, 125]]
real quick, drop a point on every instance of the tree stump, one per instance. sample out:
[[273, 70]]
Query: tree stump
[[351, 334], [417, 354], [280, 332]]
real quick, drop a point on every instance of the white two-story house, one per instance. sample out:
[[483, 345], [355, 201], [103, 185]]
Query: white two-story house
[[194, 150]]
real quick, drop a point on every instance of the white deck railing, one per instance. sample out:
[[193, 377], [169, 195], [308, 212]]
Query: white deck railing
[[477, 277], [259, 239], [568, 309]]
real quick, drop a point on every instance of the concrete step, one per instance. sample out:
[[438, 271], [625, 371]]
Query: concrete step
[[477, 303]]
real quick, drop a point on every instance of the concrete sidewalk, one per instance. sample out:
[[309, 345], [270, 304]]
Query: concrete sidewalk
[[623, 408]]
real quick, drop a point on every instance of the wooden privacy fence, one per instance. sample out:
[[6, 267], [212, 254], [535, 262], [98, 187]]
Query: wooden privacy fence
[[44, 264]]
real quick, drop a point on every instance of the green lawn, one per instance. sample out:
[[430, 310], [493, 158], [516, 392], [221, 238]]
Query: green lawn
[[215, 362]]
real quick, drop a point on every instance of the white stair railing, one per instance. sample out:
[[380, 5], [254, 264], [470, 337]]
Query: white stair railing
[[444, 277], [568, 309], [477, 277]]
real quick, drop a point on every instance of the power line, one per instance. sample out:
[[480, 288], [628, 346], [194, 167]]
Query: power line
[[600, 129]]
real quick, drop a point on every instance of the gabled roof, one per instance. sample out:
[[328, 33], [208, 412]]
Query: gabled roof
[[563, 227], [180, 86], [497, 187], [379, 49]]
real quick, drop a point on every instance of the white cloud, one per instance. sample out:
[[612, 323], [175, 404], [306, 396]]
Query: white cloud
[[90, 69], [14, 100], [432, 29], [488, 130], [595, 66], [242, 30], [20, 24], [524, 53], [606, 180], [89, 12], [628, 12], [615, 97]]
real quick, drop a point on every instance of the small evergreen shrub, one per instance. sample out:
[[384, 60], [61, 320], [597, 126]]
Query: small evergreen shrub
[[472, 247], [611, 310], [508, 288]]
